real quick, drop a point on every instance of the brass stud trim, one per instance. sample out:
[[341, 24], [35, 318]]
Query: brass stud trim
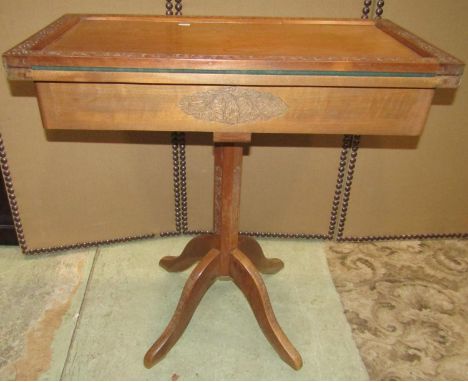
[[67, 247], [366, 9], [379, 9], [199, 232], [427, 236], [285, 235], [261, 234], [179, 172], [337, 197], [183, 183], [178, 7], [10, 191], [169, 233], [169, 8], [176, 180], [351, 165]]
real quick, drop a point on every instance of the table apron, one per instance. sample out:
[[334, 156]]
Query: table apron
[[236, 109]]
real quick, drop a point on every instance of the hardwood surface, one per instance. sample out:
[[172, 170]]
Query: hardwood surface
[[197, 284], [360, 76], [222, 255], [199, 246], [228, 43], [318, 110], [193, 37]]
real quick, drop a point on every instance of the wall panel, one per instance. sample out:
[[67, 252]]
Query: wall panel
[[79, 187], [405, 186]]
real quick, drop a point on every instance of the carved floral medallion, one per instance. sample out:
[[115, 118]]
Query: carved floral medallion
[[233, 105]]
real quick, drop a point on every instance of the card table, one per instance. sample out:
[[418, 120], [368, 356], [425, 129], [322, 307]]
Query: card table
[[231, 76]]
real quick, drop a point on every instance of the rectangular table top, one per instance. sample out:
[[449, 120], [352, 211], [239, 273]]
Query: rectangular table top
[[232, 74], [229, 45]]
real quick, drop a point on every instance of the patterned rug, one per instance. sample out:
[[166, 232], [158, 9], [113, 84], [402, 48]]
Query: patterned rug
[[407, 304]]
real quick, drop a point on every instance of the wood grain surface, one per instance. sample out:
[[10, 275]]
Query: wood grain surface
[[224, 258], [318, 110], [229, 43]]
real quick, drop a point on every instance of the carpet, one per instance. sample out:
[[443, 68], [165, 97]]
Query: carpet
[[407, 304]]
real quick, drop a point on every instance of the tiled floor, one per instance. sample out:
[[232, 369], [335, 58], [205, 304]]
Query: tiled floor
[[92, 314], [40, 297]]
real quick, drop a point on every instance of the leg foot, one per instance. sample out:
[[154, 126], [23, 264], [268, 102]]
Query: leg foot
[[250, 247], [251, 284], [194, 250], [199, 281]]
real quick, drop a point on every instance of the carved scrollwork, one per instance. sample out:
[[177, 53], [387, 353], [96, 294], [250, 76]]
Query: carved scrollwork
[[233, 105], [25, 48]]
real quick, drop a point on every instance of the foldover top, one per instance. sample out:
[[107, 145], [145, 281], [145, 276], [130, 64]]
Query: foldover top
[[224, 45]]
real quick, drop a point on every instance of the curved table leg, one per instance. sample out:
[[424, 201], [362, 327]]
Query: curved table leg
[[199, 281], [251, 284], [250, 247], [195, 249]]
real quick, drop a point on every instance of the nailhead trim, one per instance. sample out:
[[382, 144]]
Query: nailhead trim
[[169, 233], [347, 141], [8, 181], [257, 234], [36, 251], [183, 183], [349, 181], [428, 236], [379, 9], [176, 179], [169, 7], [179, 173], [284, 235], [178, 7], [366, 9]]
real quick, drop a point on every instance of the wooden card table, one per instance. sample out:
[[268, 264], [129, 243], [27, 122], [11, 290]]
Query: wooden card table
[[232, 77]]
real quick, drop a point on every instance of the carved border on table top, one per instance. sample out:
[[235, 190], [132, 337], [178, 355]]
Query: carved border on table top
[[25, 48], [402, 34], [183, 56]]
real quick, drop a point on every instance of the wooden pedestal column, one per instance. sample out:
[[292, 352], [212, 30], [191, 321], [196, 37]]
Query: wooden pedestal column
[[224, 254]]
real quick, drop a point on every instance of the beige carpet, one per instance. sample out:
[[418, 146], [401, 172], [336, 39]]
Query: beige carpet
[[407, 303]]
